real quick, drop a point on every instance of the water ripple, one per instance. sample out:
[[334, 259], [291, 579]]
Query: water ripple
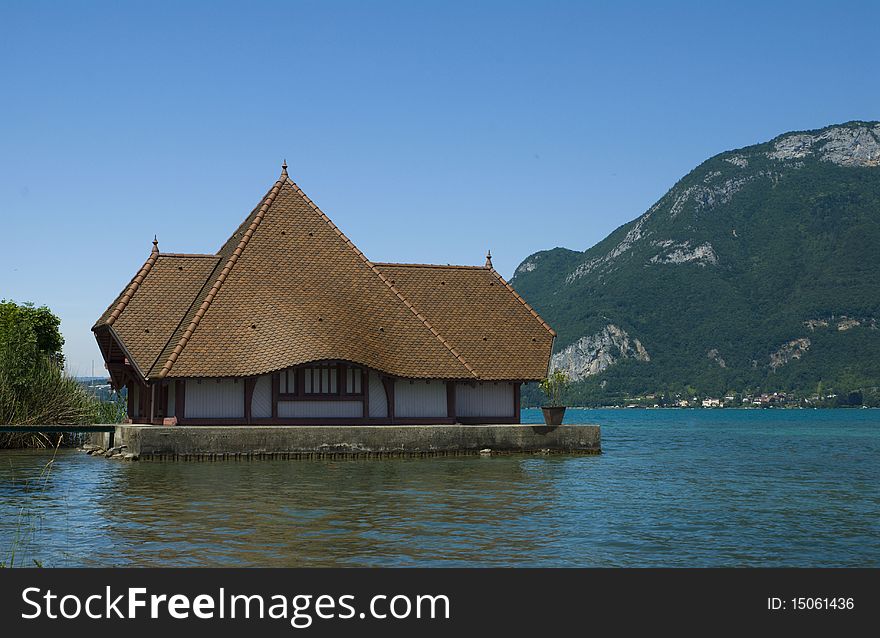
[[673, 488]]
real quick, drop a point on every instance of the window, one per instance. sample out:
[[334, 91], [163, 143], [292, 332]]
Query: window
[[353, 380], [321, 380], [324, 380], [288, 381]]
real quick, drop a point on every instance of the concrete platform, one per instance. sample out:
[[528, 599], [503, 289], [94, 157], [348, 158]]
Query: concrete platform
[[205, 442]]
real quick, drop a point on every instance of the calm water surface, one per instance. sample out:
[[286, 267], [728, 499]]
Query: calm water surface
[[673, 488]]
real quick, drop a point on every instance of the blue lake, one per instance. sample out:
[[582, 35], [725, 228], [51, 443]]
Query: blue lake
[[672, 488]]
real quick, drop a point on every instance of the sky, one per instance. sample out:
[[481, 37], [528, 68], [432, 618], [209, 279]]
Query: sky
[[428, 131]]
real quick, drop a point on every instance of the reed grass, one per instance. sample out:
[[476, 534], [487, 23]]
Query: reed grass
[[42, 393], [26, 522]]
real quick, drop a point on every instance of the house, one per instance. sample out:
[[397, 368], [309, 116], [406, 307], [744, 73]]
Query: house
[[289, 323]]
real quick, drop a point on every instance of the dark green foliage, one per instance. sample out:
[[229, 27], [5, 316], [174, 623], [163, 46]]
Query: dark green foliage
[[43, 326], [34, 389], [795, 241]]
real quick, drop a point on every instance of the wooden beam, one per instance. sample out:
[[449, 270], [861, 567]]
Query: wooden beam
[[516, 410], [450, 400], [180, 400], [365, 389], [341, 421], [148, 403], [161, 400], [388, 382], [249, 385]]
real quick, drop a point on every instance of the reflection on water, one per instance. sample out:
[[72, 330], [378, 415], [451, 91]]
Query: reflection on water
[[674, 488]]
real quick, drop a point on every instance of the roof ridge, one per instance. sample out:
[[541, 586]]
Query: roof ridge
[[134, 285], [383, 278], [206, 303], [189, 308], [449, 266], [211, 255], [523, 301]]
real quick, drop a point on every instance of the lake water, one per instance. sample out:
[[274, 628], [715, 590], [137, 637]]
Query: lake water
[[672, 488]]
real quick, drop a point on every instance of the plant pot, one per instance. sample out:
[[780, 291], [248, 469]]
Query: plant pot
[[553, 415]]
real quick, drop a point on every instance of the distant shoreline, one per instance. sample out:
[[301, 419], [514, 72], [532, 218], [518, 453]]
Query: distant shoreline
[[676, 407]]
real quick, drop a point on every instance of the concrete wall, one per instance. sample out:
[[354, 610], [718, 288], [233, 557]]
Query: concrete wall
[[158, 442], [484, 399], [261, 403], [419, 398], [214, 399], [378, 399], [320, 409]]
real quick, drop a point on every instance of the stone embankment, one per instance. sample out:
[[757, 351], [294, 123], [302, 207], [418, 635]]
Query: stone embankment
[[117, 453], [249, 442]]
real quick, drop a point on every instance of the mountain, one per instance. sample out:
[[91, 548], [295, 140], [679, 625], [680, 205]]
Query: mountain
[[759, 270]]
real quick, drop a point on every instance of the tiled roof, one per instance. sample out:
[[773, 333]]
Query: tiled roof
[[474, 308], [153, 312], [115, 309], [289, 287]]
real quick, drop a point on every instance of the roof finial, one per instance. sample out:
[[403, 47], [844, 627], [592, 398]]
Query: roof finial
[[155, 244], [284, 168], [488, 259]]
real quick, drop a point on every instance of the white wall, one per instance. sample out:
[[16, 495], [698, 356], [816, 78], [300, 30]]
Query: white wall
[[378, 399], [419, 398], [214, 399], [261, 403], [208, 398], [484, 399], [320, 409]]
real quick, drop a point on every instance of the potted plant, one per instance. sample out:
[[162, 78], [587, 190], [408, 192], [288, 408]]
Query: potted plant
[[553, 387]]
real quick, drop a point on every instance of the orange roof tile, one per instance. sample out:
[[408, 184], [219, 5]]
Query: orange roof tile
[[475, 309], [289, 287], [153, 311]]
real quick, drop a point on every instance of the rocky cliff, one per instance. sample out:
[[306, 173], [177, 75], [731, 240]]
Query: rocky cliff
[[760, 268]]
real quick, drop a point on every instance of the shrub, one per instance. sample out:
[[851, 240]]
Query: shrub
[[34, 388], [554, 387]]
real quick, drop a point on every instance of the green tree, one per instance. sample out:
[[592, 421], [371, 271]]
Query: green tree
[[36, 325], [792, 252], [34, 389]]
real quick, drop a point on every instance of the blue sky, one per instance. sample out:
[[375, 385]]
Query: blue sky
[[428, 132]]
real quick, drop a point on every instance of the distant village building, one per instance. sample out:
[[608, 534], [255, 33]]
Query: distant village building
[[289, 323]]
